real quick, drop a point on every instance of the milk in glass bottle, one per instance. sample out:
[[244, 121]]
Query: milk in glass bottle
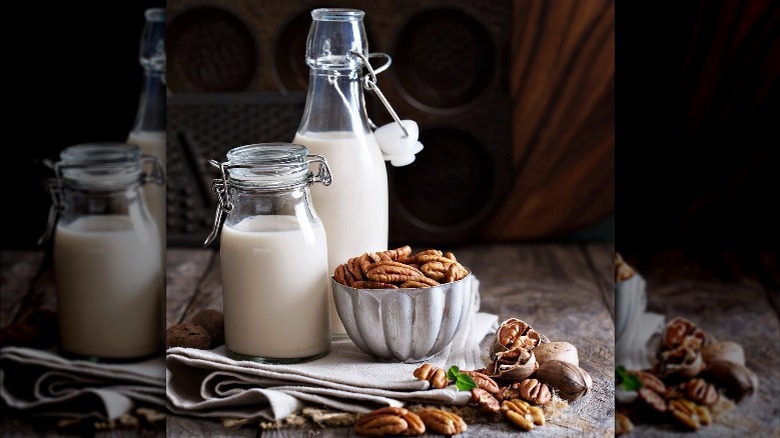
[[148, 131], [108, 272], [273, 254], [354, 208]]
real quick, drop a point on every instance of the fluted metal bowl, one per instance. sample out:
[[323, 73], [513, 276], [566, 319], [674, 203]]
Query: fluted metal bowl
[[405, 325]]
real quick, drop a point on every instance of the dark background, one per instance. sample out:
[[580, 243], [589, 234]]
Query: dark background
[[70, 75], [697, 90], [698, 138]]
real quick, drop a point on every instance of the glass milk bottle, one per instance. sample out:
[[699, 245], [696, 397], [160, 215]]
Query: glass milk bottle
[[106, 258], [273, 254], [354, 209], [148, 131]]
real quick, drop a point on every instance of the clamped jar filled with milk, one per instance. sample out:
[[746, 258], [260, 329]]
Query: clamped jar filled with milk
[[273, 254], [106, 252], [335, 124]]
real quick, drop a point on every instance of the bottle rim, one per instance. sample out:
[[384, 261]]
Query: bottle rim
[[337, 14], [155, 14]]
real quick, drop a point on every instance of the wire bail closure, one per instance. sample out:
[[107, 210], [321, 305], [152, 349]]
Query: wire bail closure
[[369, 82], [220, 187], [54, 186]]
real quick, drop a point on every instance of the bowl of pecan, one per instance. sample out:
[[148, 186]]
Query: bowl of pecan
[[397, 306]]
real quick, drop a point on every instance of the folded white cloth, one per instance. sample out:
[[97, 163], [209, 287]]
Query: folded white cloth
[[207, 383], [634, 326], [43, 383]]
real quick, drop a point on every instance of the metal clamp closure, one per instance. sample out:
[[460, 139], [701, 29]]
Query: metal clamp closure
[[369, 82]]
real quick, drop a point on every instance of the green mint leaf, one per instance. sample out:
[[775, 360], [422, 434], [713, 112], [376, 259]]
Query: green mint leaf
[[631, 382], [464, 382], [453, 372], [628, 381]]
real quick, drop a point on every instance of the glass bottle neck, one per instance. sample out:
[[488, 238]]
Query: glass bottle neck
[[151, 106], [335, 102]]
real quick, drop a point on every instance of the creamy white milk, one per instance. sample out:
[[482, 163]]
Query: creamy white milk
[[275, 288], [109, 281], [354, 208], [153, 143]]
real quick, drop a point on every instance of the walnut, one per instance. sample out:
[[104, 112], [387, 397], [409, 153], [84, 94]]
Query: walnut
[[436, 376], [535, 392]]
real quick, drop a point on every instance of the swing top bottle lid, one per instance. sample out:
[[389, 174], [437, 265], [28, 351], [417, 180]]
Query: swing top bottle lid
[[333, 34]]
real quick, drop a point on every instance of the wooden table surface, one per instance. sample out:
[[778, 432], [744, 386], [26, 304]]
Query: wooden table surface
[[564, 290]]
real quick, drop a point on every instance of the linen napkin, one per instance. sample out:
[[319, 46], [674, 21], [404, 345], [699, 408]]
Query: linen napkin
[[43, 383], [207, 383]]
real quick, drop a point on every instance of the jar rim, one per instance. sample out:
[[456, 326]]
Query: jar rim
[[101, 165], [274, 165]]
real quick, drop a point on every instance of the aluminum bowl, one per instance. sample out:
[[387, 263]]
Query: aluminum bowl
[[405, 325]]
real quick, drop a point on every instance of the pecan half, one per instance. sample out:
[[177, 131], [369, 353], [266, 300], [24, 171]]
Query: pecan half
[[700, 391], [484, 381], [535, 392], [623, 424], [650, 380], [484, 400], [652, 399], [386, 421], [442, 422], [522, 414], [688, 414], [436, 376]]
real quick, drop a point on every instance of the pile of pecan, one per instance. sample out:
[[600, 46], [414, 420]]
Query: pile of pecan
[[399, 268], [691, 375], [525, 374]]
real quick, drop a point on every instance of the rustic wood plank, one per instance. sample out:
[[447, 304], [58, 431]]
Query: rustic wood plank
[[719, 292], [209, 291], [601, 260], [184, 272], [17, 274]]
